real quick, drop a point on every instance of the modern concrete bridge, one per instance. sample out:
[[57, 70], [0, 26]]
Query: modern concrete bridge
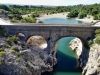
[[52, 32]]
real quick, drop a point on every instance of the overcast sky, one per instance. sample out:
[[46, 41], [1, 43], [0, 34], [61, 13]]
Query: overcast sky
[[50, 2]]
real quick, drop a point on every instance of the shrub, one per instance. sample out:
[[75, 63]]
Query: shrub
[[89, 42], [81, 15], [2, 53], [7, 46], [95, 17], [18, 54], [11, 39], [97, 40], [14, 38], [15, 48], [97, 31], [18, 59], [2, 49], [12, 51]]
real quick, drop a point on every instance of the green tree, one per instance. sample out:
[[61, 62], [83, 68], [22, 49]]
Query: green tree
[[81, 15], [73, 13]]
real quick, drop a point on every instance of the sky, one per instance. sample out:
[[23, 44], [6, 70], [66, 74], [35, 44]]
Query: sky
[[49, 2]]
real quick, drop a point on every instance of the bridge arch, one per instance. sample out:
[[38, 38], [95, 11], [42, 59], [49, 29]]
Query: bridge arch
[[37, 41]]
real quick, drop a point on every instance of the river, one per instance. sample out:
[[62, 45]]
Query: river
[[67, 59], [62, 21]]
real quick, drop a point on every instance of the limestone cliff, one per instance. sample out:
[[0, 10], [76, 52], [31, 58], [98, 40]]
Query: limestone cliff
[[89, 58], [76, 46], [93, 65], [21, 59]]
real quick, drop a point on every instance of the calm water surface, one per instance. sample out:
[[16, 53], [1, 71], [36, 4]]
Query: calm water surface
[[67, 60], [62, 21]]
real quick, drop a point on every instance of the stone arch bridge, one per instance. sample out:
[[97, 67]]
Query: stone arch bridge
[[52, 32]]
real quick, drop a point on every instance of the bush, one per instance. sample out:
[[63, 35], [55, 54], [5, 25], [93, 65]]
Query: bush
[[15, 48], [81, 15], [7, 46], [29, 20], [89, 42], [72, 14], [97, 31], [18, 54], [12, 51], [2, 53], [97, 40], [2, 49], [18, 59], [95, 17], [12, 39]]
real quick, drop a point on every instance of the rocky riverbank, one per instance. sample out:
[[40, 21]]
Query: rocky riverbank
[[19, 58], [89, 58]]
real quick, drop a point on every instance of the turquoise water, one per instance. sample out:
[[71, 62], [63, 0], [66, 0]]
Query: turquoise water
[[62, 21], [67, 60]]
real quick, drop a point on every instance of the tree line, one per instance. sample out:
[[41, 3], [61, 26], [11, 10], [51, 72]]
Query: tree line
[[15, 12]]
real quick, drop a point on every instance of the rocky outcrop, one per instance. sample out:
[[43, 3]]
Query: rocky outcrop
[[76, 46], [89, 58], [93, 65], [21, 59]]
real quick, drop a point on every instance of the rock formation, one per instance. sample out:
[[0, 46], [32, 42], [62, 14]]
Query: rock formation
[[76, 46], [89, 58], [21, 59]]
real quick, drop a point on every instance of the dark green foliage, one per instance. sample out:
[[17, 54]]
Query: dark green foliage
[[2, 31], [11, 39], [2, 49], [73, 13], [15, 16], [15, 11], [18, 54], [97, 40], [97, 35], [4, 7], [18, 59], [89, 43], [81, 15], [97, 32], [95, 17], [29, 20], [7, 46], [35, 15], [2, 53], [94, 11], [15, 48]]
